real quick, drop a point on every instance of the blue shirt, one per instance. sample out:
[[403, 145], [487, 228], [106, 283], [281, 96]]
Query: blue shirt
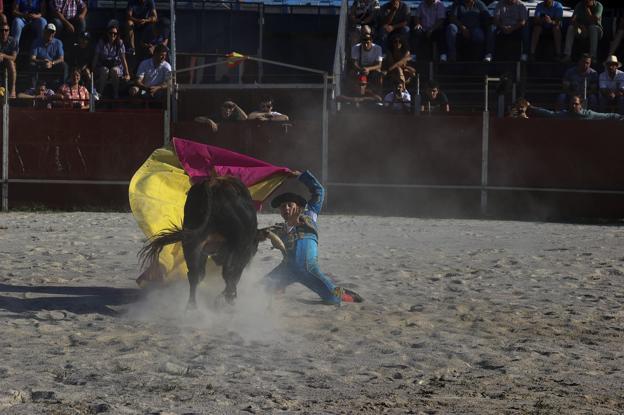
[[51, 51], [29, 6], [555, 12]]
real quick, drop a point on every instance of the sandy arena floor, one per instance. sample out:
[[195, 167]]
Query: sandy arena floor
[[461, 316]]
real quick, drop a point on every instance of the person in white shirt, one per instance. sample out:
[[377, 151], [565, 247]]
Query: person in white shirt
[[366, 59], [153, 75], [398, 100], [611, 85]]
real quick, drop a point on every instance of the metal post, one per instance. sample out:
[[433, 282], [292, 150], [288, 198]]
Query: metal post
[[487, 93], [325, 133], [167, 117], [5, 146], [172, 107], [417, 98], [260, 41], [91, 97], [485, 137]]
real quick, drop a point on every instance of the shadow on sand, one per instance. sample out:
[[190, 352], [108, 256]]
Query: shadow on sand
[[78, 300]]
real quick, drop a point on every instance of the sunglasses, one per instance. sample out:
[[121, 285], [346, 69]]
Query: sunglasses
[[5, 30]]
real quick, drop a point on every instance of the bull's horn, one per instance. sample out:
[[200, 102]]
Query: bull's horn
[[276, 241]]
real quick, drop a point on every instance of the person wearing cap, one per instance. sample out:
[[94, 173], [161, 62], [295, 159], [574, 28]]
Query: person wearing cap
[[69, 15], [153, 75], [611, 86], [28, 12], [299, 235], [48, 57], [8, 54], [366, 60]]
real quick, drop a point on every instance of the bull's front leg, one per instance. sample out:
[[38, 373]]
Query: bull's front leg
[[232, 271]]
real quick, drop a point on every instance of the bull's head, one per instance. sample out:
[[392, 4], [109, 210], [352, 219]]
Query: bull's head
[[267, 233]]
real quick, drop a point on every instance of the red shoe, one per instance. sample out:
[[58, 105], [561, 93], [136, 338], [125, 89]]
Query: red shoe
[[349, 296]]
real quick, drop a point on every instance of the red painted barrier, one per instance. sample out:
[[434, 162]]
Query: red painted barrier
[[378, 163], [77, 145]]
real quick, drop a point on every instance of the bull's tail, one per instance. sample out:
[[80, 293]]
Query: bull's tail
[[150, 252]]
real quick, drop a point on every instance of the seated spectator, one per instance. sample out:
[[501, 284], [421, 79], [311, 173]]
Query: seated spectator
[[611, 84], [366, 59], [429, 28], [510, 25], [361, 13], [80, 55], [41, 95], [140, 15], [435, 100], [48, 57], [393, 21], [586, 23], [360, 96], [617, 37], [519, 109], [548, 18], [28, 12], [230, 112], [266, 113], [73, 94], [157, 34], [398, 100], [580, 80], [69, 15], [575, 111], [470, 20], [8, 54], [109, 61], [153, 75], [396, 60]]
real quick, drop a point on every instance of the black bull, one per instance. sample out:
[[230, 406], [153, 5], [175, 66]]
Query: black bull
[[219, 221]]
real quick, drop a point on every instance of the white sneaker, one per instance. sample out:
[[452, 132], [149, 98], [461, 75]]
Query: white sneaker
[[524, 57], [443, 57], [488, 58]]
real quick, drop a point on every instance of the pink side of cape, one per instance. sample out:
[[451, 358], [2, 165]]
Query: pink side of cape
[[197, 159]]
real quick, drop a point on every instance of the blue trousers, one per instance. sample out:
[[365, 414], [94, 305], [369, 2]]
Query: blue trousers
[[303, 267]]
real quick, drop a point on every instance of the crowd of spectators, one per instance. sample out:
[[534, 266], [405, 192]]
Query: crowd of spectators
[[74, 61], [388, 40]]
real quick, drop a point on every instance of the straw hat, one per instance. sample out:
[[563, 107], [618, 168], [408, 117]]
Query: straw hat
[[612, 59]]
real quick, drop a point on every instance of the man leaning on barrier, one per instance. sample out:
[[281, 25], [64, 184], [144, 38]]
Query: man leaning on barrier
[[575, 111]]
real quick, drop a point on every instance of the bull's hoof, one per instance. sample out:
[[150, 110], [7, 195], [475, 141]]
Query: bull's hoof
[[223, 301]]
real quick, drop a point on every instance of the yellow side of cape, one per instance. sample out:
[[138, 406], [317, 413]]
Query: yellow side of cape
[[157, 195]]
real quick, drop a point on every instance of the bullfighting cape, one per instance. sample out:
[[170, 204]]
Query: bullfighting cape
[[158, 190]]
